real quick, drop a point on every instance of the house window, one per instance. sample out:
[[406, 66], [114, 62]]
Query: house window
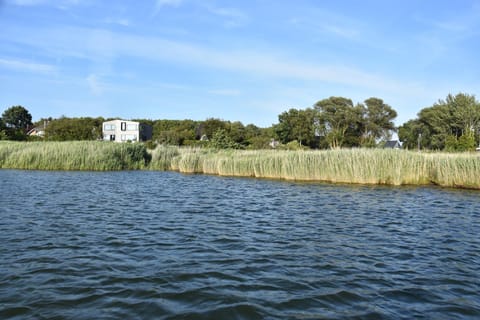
[[123, 126], [129, 137], [132, 127], [107, 127]]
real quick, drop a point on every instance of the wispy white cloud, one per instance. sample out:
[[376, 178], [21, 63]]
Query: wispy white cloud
[[341, 31], [225, 92], [118, 21], [160, 4], [323, 22], [233, 17], [26, 66], [456, 23], [27, 2], [95, 84], [100, 45], [441, 38], [62, 4]]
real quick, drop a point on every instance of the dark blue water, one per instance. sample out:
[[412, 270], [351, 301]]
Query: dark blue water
[[161, 245]]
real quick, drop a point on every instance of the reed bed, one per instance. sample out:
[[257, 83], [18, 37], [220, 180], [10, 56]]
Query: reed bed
[[363, 166], [73, 155]]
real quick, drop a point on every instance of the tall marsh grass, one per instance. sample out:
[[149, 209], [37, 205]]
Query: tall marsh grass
[[364, 166], [73, 155]]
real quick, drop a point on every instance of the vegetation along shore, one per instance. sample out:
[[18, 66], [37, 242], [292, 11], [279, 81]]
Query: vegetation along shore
[[335, 140], [362, 166]]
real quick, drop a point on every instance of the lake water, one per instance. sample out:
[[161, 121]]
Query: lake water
[[162, 245]]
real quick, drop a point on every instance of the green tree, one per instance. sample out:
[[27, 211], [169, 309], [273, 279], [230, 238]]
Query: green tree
[[68, 129], [3, 130], [174, 132], [443, 125], [338, 121], [298, 125], [236, 131], [251, 131], [17, 120], [414, 134], [465, 112], [209, 127], [378, 121], [221, 140], [466, 142], [259, 138], [17, 117]]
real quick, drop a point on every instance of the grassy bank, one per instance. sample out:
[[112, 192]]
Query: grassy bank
[[72, 155], [364, 166]]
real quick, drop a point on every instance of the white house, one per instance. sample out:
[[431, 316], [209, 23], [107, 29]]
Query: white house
[[126, 131]]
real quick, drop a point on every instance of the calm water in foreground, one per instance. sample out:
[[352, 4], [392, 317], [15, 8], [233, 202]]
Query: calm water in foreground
[[161, 245]]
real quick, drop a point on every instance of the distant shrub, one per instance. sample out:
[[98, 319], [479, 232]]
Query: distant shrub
[[292, 145], [221, 140]]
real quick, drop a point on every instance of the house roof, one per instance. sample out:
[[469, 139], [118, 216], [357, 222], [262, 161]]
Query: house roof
[[120, 120], [35, 130], [392, 144]]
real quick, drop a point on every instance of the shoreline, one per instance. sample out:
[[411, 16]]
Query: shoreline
[[344, 166]]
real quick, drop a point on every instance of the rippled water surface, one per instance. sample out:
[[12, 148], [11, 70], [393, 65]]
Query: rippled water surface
[[161, 245]]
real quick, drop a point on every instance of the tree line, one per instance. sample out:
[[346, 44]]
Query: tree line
[[452, 124]]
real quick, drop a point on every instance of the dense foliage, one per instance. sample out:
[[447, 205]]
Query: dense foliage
[[452, 124], [67, 129], [336, 122], [297, 125], [14, 123]]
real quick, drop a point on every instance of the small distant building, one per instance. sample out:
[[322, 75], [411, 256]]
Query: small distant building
[[274, 143], [126, 131], [392, 144], [37, 132]]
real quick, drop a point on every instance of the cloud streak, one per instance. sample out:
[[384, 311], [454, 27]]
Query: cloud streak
[[99, 45], [233, 17], [225, 92], [25, 66], [95, 85], [160, 4], [62, 4]]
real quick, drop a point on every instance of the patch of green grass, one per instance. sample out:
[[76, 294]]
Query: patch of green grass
[[72, 155]]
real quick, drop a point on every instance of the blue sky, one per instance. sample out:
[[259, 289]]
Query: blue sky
[[235, 60]]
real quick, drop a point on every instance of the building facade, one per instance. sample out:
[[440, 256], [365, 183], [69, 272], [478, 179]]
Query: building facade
[[126, 131]]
